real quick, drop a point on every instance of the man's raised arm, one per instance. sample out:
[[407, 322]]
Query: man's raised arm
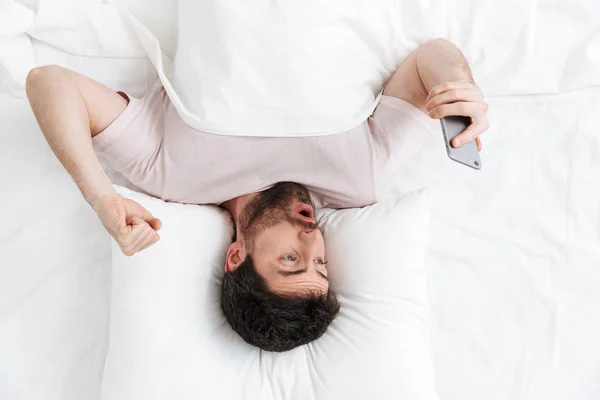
[[70, 109], [437, 79]]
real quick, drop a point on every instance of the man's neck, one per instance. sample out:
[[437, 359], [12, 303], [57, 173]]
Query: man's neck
[[236, 205]]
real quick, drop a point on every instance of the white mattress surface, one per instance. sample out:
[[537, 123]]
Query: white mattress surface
[[54, 254], [515, 254], [514, 263]]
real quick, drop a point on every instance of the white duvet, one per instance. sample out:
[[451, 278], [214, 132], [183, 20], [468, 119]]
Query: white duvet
[[515, 248], [284, 69]]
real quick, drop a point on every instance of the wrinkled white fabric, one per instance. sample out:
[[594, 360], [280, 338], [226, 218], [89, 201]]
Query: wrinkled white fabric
[[265, 70]]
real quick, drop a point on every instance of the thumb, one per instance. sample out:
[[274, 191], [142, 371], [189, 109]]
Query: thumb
[[155, 223], [135, 209], [136, 221], [139, 226]]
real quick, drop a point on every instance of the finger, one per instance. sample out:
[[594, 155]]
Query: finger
[[142, 232], [147, 238], [463, 108], [155, 223], [452, 96], [478, 143], [446, 86], [469, 134], [141, 237], [152, 240], [135, 221], [136, 209], [131, 238]]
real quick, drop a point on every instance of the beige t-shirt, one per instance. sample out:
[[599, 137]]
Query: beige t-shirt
[[159, 153]]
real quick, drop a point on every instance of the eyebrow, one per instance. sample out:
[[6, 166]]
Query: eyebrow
[[300, 271]]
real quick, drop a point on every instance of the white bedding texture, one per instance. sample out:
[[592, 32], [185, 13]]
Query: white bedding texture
[[335, 57], [514, 249]]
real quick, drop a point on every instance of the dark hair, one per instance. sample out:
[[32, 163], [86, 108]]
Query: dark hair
[[268, 320]]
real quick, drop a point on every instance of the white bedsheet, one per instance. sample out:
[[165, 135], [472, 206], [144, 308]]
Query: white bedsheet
[[515, 254], [54, 254]]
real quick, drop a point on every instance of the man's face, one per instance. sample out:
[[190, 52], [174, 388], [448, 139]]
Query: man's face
[[279, 230]]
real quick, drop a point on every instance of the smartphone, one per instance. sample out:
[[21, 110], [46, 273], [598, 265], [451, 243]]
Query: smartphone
[[467, 154]]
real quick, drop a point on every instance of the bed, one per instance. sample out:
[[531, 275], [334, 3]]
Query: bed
[[514, 260]]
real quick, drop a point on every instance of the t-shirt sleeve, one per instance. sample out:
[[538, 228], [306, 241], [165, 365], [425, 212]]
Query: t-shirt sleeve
[[399, 131]]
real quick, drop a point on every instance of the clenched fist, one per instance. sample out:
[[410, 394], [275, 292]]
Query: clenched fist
[[132, 226]]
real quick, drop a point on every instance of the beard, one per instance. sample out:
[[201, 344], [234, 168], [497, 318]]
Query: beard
[[271, 207]]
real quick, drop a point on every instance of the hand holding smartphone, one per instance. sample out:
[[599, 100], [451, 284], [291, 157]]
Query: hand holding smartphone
[[460, 106], [467, 154]]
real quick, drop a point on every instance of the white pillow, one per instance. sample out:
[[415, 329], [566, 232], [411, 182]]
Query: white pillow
[[169, 340]]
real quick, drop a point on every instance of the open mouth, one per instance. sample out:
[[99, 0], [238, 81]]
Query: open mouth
[[305, 212]]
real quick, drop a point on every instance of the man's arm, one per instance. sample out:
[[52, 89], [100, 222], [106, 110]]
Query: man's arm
[[437, 79], [70, 109]]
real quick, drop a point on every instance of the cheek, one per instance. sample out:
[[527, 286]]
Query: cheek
[[279, 233], [264, 241], [261, 265], [272, 241], [321, 240], [259, 231]]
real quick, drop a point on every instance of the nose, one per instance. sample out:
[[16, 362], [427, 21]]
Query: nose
[[304, 213], [309, 243]]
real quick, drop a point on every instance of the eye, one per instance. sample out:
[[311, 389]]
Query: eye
[[289, 258], [321, 261]]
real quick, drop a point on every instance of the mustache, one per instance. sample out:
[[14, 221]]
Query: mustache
[[274, 205], [309, 226]]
